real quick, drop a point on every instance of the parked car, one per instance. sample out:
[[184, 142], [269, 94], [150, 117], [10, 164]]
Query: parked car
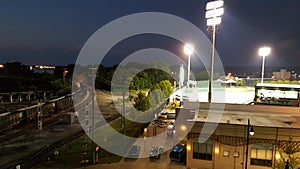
[[170, 130], [178, 153], [134, 151], [155, 152]]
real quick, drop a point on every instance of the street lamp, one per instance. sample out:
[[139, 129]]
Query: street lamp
[[188, 49], [145, 130], [213, 13], [174, 132], [264, 51], [250, 131], [145, 138]]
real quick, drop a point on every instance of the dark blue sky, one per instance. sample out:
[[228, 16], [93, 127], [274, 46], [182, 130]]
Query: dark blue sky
[[52, 32]]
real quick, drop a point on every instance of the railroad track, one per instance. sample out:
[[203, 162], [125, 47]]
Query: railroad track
[[18, 131]]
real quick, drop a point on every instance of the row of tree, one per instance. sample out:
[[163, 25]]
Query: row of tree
[[150, 83], [155, 97], [17, 77], [281, 82]]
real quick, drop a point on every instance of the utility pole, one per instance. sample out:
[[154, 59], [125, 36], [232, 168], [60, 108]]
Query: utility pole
[[39, 116], [123, 113], [94, 69]]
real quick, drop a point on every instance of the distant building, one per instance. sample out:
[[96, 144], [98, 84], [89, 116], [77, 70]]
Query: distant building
[[282, 75], [43, 69], [221, 143]]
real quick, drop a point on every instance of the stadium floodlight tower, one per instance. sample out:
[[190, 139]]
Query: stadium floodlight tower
[[189, 50], [264, 51], [214, 11]]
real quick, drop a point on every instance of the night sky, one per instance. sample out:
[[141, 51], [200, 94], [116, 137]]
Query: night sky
[[53, 32]]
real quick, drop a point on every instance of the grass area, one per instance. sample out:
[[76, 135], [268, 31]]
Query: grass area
[[74, 153], [78, 153]]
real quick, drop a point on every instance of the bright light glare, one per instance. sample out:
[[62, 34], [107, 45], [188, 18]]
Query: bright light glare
[[188, 147], [183, 127], [214, 21], [188, 49], [277, 156], [217, 150], [214, 5], [264, 51], [214, 13]]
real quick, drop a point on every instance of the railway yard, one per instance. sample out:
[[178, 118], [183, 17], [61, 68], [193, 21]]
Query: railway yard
[[21, 143]]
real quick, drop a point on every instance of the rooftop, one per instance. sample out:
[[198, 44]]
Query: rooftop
[[259, 115]]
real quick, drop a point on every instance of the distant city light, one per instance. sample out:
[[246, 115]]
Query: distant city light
[[45, 67], [1, 66]]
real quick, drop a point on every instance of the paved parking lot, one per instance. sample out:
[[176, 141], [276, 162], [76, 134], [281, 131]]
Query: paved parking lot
[[142, 163], [145, 163]]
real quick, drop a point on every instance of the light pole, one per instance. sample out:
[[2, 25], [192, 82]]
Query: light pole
[[188, 49], [213, 13], [264, 51], [155, 126], [174, 132], [250, 131], [64, 75], [145, 138]]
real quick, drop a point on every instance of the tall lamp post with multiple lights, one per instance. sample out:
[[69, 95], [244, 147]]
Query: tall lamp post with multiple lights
[[213, 13], [189, 50], [264, 51], [250, 131]]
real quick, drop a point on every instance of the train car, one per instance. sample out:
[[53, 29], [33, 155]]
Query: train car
[[29, 114]]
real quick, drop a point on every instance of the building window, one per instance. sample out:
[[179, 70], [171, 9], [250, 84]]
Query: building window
[[261, 154], [202, 151]]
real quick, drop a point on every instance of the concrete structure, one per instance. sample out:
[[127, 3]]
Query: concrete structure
[[282, 75], [276, 129], [69, 118], [26, 96]]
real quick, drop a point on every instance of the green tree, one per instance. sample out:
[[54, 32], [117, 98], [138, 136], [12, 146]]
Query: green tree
[[279, 82], [202, 75], [288, 152], [156, 95], [166, 87], [240, 82], [142, 102]]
